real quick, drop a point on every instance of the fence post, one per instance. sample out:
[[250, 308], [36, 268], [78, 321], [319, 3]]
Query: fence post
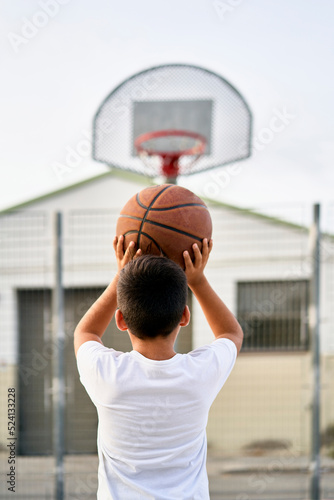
[[58, 360], [315, 346]]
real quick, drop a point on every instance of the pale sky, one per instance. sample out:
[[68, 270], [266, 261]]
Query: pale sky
[[279, 55]]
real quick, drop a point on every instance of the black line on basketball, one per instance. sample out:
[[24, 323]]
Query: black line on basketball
[[178, 206], [157, 196], [148, 209], [140, 203], [173, 229], [131, 217], [155, 242], [159, 224], [169, 208], [132, 231]]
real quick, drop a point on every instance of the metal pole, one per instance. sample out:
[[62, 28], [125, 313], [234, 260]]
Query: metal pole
[[315, 492], [58, 361], [171, 180]]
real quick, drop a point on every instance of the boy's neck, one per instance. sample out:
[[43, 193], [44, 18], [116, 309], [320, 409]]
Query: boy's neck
[[158, 349]]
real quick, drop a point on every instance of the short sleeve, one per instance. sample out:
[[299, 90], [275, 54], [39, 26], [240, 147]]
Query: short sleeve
[[226, 351], [88, 356], [216, 362]]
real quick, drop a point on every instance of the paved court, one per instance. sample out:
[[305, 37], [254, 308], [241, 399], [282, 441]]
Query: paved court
[[262, 478]]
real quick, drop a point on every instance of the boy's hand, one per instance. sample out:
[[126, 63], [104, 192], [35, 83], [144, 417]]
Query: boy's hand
[[195, 270], [124, 257]]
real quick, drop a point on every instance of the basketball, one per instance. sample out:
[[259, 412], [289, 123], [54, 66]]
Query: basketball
[[165, 220]]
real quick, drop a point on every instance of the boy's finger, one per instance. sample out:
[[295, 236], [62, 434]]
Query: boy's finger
[[187, 260], [120, 247], [129, 253], [115, 243], [138, 253], [210, 245], [205, 248], [197, 253]]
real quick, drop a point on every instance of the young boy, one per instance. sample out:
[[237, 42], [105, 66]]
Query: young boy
[[153, 403]]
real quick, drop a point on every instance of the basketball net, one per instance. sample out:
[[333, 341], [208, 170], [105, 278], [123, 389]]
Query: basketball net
[[169, 151]]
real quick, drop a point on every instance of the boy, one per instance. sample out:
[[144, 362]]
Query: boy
[[153, 403]]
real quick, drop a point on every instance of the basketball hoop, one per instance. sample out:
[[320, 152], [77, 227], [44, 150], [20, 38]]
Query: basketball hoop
[[172, 98], [170, 147]]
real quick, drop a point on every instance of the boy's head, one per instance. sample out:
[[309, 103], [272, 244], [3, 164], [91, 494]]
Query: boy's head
[[152, 294]]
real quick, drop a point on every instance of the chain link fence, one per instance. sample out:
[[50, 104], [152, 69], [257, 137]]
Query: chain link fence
[[260, 434]]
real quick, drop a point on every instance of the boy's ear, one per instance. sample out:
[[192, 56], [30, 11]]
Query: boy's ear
[[120, 322], [185, 317]]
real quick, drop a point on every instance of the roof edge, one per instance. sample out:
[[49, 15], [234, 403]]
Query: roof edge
[[141, 179], [252, 213], [114, 173], [268, 218]]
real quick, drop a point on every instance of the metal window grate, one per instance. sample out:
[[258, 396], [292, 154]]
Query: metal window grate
[[274, 314]]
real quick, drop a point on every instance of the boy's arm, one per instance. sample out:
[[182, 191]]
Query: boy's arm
[[222, 322], [96, 320]]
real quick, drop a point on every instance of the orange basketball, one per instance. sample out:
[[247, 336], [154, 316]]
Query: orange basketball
[[165, 220]]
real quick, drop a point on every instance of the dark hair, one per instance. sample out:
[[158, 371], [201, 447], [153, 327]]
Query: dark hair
[[152, 294]]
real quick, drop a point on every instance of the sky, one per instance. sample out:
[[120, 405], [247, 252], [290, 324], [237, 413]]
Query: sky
[[61, 58]]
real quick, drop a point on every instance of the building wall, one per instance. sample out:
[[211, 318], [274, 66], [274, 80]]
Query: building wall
[[267, 401], [266, 398]]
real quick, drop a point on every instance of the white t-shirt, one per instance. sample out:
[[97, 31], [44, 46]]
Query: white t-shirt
[[152, 418]]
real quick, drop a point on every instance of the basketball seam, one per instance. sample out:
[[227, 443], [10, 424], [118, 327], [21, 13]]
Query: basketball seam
[[159, 224], [170, 208], [133, 231], [173, 229], [148, 209]]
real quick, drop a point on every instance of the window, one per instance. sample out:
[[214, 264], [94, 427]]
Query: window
[[274, 315]]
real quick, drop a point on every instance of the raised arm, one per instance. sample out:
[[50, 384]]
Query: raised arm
[[96, 320], [221, 321]]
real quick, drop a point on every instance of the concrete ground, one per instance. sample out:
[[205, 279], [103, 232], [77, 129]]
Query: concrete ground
[[243, 478], [267, 478]]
